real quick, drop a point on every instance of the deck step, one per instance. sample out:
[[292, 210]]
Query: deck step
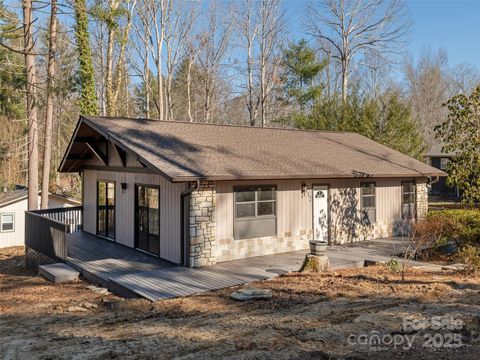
[[58, 273]]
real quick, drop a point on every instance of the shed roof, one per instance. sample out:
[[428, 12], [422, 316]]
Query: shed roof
[[20, 192], [10, 197], [185, 151]]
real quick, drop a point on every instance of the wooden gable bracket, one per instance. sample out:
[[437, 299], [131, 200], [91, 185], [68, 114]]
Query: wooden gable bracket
[[98, 152], [122, 154], [141, 162]]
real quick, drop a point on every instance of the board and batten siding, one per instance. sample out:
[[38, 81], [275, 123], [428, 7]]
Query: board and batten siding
[[170, 233], [295, 213]]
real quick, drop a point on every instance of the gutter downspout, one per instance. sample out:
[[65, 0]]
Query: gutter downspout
[[185, 238]]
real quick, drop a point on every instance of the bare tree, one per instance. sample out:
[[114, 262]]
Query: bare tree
[[177, 32], [154, 17], [427, 85], [464, 79], [112, 28], [139, 52], [215, 43], [130, 7], [248, 23], [357, 29], [272, 27], [192, 58], [47, 150], [31, 105]]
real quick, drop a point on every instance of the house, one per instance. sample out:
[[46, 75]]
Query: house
[[198, 194], [439, 159], [13, 205]]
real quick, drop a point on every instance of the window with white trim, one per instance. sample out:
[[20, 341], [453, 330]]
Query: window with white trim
[[369, 210], [408, 200], [444, 163], [7, 222]]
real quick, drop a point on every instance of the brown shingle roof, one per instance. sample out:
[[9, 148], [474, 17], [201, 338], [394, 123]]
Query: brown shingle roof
[[186, 151]]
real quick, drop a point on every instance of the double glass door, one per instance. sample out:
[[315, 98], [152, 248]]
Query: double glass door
[[106, 209], [147, 219]]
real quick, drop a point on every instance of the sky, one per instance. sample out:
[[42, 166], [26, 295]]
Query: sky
[[453, 25]]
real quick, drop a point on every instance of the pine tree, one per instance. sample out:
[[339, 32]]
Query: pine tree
[[301, 72]]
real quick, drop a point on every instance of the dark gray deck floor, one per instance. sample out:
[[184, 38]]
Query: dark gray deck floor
[[131, 272]]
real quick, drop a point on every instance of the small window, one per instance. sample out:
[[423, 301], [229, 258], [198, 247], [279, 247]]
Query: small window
[[369, 212], [444, 163], [408, 200], [255, 211], [7, 222]]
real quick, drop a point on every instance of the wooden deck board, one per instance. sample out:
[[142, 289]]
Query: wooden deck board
[[157, 279]]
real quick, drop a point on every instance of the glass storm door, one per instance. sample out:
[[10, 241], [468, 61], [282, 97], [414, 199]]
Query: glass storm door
[[106, 209], [320, 213], [147, 219]]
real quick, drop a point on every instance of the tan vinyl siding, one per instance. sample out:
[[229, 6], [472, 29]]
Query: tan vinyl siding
[[294, 213], [125, 208], [293, 210]]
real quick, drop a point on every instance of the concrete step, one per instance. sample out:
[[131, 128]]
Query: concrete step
[[58, 273]]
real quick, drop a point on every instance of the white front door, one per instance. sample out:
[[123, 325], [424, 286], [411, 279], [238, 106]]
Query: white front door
[[320, 213]]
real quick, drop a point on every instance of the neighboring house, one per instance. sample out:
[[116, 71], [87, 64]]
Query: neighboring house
[[13, 205], [438, 159], [197, 194]]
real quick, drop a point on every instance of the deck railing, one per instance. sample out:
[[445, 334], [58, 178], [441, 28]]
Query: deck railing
[[46, 230], [71, 216]]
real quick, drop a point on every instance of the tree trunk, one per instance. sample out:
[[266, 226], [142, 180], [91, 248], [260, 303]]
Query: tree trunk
[[47, 152], [88, 102], [121, 57], [263, 79], [31, 107], [251, 109], [109, 71], [147, 87], [344, 81], [160, 87], [189, 84], [207, 102]]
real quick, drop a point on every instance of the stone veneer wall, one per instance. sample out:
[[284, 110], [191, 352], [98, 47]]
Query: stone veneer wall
[[202, 225], [421, 198], [231, 249]]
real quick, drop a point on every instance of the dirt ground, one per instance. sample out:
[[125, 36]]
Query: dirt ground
[[350, 314]]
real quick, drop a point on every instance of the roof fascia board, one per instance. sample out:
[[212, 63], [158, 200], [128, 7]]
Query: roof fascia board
[[120, 169], [70, 144], [240, 178]]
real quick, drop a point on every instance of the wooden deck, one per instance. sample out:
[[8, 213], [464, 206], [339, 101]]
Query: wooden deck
[[129, 272]]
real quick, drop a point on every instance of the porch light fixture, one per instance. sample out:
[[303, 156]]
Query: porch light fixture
[[123, 186], [304, 189]]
